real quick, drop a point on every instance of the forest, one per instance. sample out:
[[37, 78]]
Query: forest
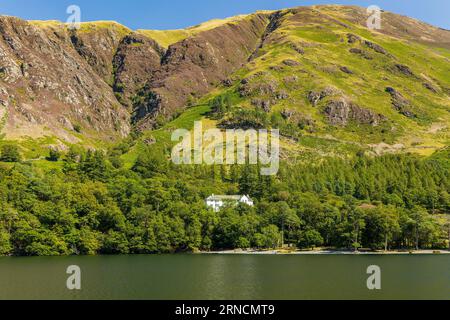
[[93, 204]]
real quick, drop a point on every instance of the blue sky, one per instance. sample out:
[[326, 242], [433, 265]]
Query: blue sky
[[174, 14]]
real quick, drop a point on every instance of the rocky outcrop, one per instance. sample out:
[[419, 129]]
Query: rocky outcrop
[[259, 88], [136, 59], [314, 97], [375, 47], [346, 70], [264, 104], [291, 63], [400, 103], [361, 53], [341, 112], [272, 98], [353, 38], [405, 70]]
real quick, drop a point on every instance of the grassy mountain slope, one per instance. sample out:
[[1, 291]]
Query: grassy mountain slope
[[300, 58], [321, 51], [317, 73]]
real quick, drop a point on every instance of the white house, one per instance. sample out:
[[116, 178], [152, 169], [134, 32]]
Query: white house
[[217, 202]]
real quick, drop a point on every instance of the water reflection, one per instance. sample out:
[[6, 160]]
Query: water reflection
[[226, 277]]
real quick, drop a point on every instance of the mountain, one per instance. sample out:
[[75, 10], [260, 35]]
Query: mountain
[[87, 117], [317, 73]]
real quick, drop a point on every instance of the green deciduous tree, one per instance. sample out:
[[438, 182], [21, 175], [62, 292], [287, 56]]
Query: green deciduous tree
[[10, 153]]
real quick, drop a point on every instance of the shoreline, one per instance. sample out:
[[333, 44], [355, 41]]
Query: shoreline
[[268, 252], [325, 252]]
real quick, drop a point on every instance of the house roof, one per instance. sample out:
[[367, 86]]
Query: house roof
[[225, 198]]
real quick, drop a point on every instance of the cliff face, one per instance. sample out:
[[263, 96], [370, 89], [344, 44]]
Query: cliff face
[[192, 67], [104, 79], [137, 58], [47, 88], [97, 43]]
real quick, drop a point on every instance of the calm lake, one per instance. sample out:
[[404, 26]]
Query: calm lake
[[239, 277]]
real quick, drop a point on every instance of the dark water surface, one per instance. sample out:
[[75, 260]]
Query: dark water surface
[[227, 277]]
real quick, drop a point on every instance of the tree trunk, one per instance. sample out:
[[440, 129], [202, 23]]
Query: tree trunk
[[386, 242], [417, 238]]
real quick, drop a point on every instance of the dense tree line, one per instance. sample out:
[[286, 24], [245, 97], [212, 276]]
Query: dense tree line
[[93, 205]]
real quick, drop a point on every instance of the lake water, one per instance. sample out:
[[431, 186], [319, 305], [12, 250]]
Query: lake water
[[238, 277]]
